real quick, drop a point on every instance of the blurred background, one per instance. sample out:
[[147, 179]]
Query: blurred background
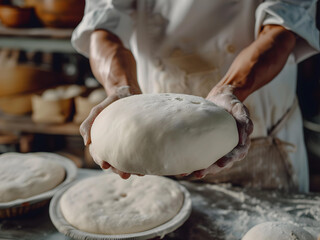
[[47, 89]]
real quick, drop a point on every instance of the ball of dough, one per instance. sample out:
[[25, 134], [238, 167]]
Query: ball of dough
[[277, 231], [26, 175], [162, 134], [107, 204]]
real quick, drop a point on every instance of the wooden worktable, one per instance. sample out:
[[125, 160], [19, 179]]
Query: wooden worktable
[[219, 212]]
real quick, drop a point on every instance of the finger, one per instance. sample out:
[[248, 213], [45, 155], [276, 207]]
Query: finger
[[226, 101], [243, 150], [106, 102], [123, 91], [184, 174], [242, 133], [214, 168], [123, 175], [249, 127], [94, 156], [86, 125], [105, 165], [222, 162], [239, 111], [237, 154], [84, 131], [244, 123], [198, 174]]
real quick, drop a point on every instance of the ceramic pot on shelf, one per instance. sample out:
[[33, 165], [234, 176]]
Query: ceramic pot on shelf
[[13, 16], [58, 13]]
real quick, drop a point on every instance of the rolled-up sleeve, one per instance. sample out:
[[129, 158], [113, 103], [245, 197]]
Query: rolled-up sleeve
[[111, 15], [298, 16]]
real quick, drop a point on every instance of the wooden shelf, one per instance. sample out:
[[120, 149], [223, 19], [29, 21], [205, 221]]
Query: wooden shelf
[[44, 40], [37, 39], [61, 33], [24, 124]]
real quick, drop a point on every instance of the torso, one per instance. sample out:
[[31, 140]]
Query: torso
[[187, 47], [179, 50]]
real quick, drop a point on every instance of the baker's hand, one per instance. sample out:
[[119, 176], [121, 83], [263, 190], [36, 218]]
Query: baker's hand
[[223, 97], [85, 127], [114, 66], [105, 165]]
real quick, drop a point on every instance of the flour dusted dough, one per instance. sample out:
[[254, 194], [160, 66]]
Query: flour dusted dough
[[162, 134], [277, 231], [108, 204], [26, 175]]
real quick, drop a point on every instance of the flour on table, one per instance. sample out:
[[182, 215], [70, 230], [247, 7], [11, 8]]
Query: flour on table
[[107, 204], [236, 210], [26, 175], [162, 134]]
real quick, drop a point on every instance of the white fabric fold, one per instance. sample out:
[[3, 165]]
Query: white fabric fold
[[295, 15], [113, 16]]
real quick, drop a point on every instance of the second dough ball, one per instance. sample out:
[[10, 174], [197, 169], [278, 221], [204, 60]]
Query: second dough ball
[[277, 231]]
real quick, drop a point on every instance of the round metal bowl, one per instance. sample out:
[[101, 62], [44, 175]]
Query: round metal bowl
[[67, 229], [23, 206]]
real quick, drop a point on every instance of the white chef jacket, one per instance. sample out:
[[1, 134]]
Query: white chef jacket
[[188, 45]]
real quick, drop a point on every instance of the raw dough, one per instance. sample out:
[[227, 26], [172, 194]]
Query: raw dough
[[26, 175], [162, 134], [107, 204], [277, 231]]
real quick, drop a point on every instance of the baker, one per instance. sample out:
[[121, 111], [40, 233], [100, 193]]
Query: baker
[[229, 52]]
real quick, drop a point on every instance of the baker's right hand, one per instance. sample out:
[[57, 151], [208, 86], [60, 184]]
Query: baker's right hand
[[85, 127], [224, 97], [114, 66]]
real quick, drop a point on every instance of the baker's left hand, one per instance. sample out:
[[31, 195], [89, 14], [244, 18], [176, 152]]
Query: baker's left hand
[[223, 96]]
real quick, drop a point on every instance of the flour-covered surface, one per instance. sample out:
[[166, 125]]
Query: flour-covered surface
[[220, 212]]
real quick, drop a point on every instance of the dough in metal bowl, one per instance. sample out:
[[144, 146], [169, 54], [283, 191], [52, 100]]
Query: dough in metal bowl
[[26, 175], [107, 204]]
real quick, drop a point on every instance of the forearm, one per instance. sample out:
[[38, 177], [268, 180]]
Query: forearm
[[260, 62], [112, 64]]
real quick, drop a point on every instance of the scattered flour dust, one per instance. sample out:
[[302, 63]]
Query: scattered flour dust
[[233, 211]]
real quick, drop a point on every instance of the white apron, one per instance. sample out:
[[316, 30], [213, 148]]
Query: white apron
[[186, 46], [180, 65]]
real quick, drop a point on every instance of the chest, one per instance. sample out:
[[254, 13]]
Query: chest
[[202, 26]]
